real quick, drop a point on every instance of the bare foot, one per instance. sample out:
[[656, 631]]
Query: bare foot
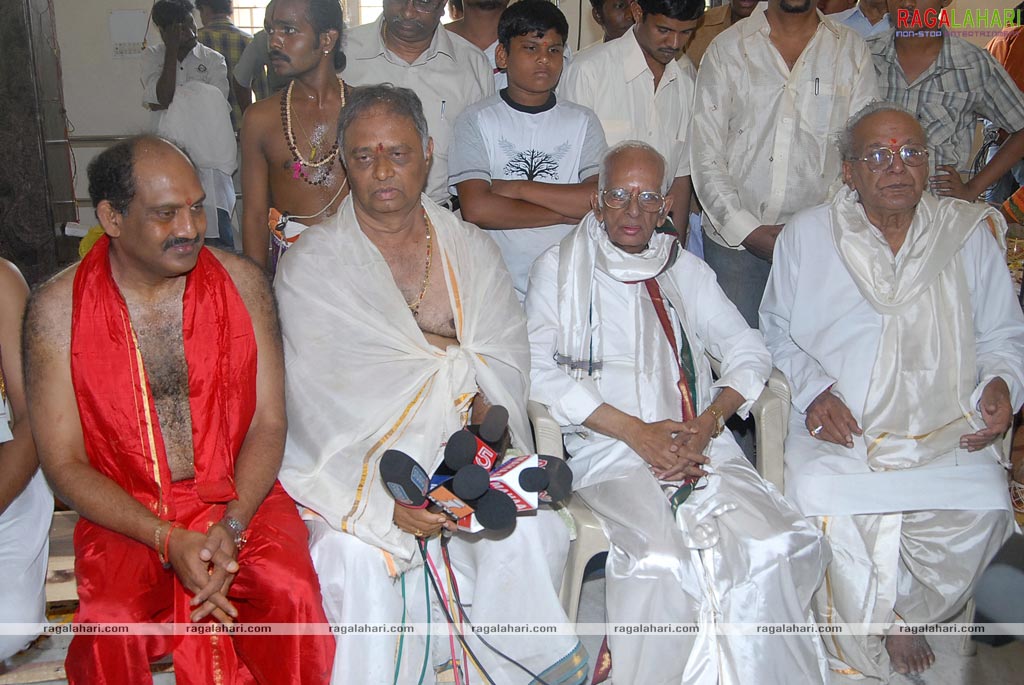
[[909, 653]]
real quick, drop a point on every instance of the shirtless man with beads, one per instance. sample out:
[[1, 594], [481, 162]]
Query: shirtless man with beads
[[292, 175]]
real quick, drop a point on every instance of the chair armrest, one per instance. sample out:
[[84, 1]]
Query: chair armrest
[[771, 423], [547, 434]]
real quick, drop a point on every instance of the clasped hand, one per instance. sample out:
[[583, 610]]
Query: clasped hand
[[673, 449], [206, 565]]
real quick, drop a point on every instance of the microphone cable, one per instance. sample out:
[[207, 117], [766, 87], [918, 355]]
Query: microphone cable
[[488, 645], [422, 543]]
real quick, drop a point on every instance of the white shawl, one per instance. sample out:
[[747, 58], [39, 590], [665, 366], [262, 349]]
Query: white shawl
[[361, 378], [918, 400]]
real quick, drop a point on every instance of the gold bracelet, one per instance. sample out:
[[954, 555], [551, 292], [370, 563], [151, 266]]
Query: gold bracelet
[[719, 417], [156, 541]]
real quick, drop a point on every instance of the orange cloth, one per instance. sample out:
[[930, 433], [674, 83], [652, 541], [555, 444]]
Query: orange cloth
[[716, 20], [1008, 49], [121, 580]]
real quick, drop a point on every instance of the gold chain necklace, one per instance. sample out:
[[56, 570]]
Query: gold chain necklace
[[414, 307], [300, 164]]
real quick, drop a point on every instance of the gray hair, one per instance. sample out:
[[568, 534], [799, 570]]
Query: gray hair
[[402, 102], [845, 139], [615, 150]]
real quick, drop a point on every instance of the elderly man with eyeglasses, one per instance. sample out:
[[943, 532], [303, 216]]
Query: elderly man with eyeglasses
[[408, 47], [892, 314], [620, 319]]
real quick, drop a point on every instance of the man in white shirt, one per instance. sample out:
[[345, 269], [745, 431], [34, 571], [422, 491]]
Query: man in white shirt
[[200, 123], [619, 320], [892, 314], [408, 47], [770, 91], [640, 91]]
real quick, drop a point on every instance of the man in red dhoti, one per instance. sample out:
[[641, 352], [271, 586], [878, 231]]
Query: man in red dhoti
[[155, 374]]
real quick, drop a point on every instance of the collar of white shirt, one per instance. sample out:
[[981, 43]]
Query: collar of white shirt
[[440, 44], [635, 64], [758, 21]]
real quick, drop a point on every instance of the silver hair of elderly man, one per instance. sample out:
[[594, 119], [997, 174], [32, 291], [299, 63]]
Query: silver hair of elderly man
[[666, 179], [399, 101], [844, 140]]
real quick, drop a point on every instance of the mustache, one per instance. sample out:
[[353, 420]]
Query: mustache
[[408, 23], [172, 243], [277, 54]]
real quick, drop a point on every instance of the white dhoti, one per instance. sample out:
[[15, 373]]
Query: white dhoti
[[506, 580], [24, 552], [765, 566]]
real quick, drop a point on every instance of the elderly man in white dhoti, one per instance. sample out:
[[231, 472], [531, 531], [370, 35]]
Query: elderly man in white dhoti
[[892, 314], [620, 319], [400, 324]]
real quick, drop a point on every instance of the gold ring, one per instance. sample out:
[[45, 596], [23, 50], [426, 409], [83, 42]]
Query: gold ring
[[419, 533]]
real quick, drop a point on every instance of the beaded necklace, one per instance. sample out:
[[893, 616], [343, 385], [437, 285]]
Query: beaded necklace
[[300, 163], [414, 306]]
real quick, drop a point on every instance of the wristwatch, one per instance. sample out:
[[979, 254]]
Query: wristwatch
[[241, 535], [719, 419]]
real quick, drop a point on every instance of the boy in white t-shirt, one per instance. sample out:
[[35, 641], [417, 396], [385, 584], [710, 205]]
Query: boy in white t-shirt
[[524, 165]]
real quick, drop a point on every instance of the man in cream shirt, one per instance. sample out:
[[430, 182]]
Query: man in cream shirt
[[770, 91], [405, 47], [615, 80]]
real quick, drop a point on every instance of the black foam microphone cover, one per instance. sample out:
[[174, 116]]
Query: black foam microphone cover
[[404, 478], [559, 479], [471, 482], [534, 479], [492, 430], [460, 450], [495, 511]]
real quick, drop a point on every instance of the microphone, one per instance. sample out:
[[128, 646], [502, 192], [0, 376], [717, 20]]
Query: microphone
[[404, 478], [559, 479], [465, 448], [494, 425], [471, 482], [509, 480], [494, 511]]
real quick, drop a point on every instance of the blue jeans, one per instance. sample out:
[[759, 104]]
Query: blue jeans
[[741, 275]]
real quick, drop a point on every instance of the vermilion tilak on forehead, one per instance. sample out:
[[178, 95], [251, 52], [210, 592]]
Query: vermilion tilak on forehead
[[892, 141], [380, 147]]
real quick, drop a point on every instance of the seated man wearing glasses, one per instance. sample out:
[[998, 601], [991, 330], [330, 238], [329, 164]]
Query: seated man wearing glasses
[[620, 319], [892, 314]]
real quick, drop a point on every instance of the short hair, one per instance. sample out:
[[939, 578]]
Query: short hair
[[531, 18], [680, 10], [112, 172], [615, 150], [845, 137], [325, 15], [218, 6], [402, 102], [168, 12]]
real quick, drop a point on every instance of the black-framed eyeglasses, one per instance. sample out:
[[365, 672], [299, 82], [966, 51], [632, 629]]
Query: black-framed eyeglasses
[[619, 198], [880, 158], [421, 6]]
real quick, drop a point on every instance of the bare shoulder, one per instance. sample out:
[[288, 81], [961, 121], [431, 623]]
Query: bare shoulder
[[13, 289], [251, 280], [48, 317], [262, 116]]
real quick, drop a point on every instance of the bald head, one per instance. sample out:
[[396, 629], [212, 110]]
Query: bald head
[[112, 174], [632, 154]]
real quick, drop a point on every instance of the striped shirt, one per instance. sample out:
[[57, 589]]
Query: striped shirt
[[229, 41], [963, 83]]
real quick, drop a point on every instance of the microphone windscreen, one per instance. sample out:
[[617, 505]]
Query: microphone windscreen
[[404, 478], [460, 450], [471, 482], [534, 479], [493, 427], [559, 479], [495, 511]]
